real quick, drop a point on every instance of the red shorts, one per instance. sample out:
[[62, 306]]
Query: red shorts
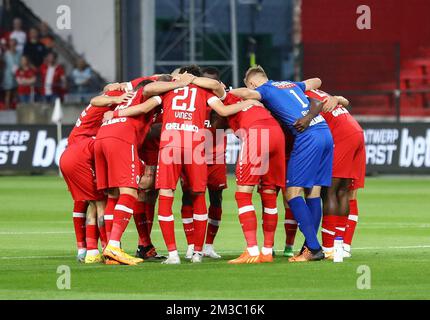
[[349, 160], [217, 178], [117, 164], [262, 158], [176, 162], [77, 167]]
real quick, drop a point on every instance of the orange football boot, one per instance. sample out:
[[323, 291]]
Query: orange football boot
[[245, 258], [307, 255], [264, 258]]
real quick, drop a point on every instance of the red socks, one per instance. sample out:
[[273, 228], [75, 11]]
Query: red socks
[[92, 237], [79, 218], [341, 226], [188, 223], [108, 216], [247, 217], [124, 209], [102, 234], [139, 220], [213, 223], [200, 219], [166, 220], [352, 222], [328, 231], [290, 225], [270, 218]]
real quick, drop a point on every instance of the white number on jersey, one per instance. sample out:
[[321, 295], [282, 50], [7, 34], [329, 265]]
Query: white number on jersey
[[304, 105], [178, 103]]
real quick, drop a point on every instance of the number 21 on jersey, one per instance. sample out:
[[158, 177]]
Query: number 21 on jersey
[[179, 103]]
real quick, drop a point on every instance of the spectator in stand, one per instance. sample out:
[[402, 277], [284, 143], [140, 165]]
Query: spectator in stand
[[26, 77], [18, 34], [46, 37], [81, 77], [53, 78], [11, 64], [34, 49]]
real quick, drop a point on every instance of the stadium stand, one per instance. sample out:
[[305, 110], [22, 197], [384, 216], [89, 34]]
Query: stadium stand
[[388, 76]]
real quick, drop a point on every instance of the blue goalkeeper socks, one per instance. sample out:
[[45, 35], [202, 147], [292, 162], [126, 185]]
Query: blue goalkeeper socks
[[314, 205], [306, 222]]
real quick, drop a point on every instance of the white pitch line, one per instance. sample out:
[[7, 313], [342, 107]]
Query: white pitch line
[[226, 252], [369, 226]]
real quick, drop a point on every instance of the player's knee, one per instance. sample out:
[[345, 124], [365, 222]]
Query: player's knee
[[130, 191], [294, 192], [215, 197]]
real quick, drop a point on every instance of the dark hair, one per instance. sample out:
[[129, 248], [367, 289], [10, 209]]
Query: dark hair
[[193, 69], [212, 71], [54, 54], [142, 84]]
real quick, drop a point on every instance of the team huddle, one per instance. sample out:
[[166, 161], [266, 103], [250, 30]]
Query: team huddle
[[134, 143]]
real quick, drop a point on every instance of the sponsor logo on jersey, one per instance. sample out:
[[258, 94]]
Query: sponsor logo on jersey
[[182, 127], [283, 84], [113, 121], [339, 111]]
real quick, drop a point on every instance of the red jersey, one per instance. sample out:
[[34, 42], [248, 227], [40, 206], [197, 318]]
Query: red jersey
[[25, 75], [217, 145], [132, 130], [184, 115], [152, 143], [133, 83], [341, 123], [245, 119], [90, 120]]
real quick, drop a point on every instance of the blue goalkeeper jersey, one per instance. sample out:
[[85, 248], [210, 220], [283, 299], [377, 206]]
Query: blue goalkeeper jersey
[[287, 102]]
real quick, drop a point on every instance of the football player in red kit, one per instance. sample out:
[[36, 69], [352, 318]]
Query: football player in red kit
[[261, 163], [349, 168], [144, 213], [77, 166], [119, 167], [217, 180]]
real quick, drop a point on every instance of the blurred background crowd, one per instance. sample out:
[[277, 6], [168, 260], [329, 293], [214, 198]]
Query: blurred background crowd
[[30, 70]]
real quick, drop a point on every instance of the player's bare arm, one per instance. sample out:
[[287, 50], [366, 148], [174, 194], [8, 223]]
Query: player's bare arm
[[160, 87], [246, 93], [133, 111], [343, 101], [313, 83], [215, 86], [303, 123], [225, 111], [104, 100], [330, 103]]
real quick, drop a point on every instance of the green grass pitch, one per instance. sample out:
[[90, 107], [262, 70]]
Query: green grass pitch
[[393, 240]]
